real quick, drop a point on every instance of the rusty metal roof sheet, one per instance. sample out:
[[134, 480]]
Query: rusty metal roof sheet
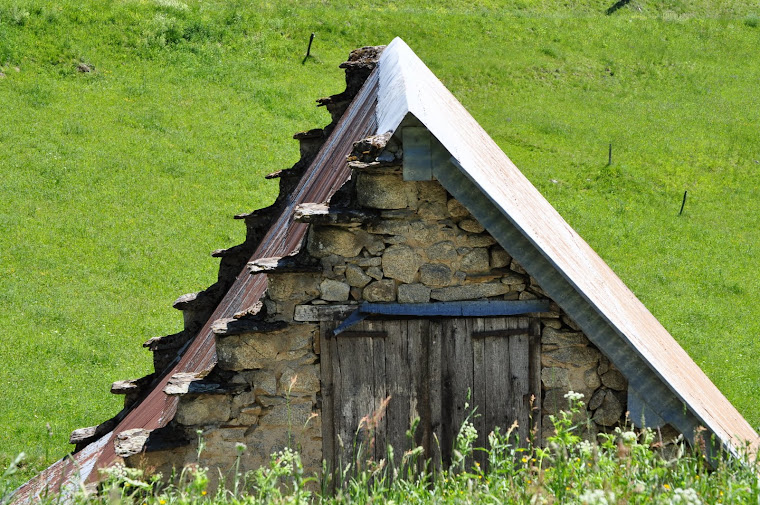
[[399, 86]]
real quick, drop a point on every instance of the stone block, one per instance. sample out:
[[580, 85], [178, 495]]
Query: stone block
[[413, 293], [610, 411], [203, 409], [570, 356], [242, 400], [380, 291], [389, 227], [373, 261], [431, 191], [526, 295], [432, 210], [249, 415], [292, 286], [381, 191], [356, 277], [401, 262], [471, 292], [614, 380], [442, 251], [499, 258], [263, 382], [475, 261], [326, 240], [246, 353], [287, 414], [375, 272], [591, 379], [470, 240], [456, 209], [335, 291], [471, 226], [555, 377], [515, 267], [435, 275], [304, 380], [562, 338]]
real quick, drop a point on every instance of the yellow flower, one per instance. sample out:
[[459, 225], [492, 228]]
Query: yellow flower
[[203, 493], [524, 460], [666, 486]]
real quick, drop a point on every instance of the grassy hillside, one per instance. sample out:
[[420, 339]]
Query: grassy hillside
[[117, 183]]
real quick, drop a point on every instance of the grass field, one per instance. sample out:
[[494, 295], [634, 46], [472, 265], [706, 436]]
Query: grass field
[[117, 183]]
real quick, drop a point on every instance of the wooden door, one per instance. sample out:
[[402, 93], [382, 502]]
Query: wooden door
[[437, 370]]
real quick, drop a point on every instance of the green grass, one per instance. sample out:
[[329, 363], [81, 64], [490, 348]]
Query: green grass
[[117, 183]]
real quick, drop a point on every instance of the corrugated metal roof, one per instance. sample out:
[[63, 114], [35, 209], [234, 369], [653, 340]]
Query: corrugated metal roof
[[401, 85]]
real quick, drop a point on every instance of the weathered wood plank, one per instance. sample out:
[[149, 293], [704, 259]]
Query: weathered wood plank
[[434, 348], [327, 390], [534, 372], [496, 370], [380, 394], [397, 384], [519, 358], [317, 313], [419, 405], [356, 382], [323, 214], [480, 384], [461, 361]]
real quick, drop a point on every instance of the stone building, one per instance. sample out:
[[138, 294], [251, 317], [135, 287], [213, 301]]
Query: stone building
[[407, 267]]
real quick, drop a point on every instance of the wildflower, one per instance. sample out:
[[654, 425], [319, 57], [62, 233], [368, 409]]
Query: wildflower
[[666, 486], [597, 497], [685, 497], [524, 460], [573, 396], [628, 437], [203, 493]]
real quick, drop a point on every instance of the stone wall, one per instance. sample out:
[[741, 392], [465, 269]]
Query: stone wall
[[390, 241]]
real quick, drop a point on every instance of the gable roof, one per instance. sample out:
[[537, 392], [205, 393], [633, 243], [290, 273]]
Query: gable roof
[[662, 377]]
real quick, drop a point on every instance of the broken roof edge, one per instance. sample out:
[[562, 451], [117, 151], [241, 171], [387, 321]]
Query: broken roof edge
[[407, 86]]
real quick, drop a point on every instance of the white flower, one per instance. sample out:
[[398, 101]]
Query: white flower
[[628, 437], [597, 497], [573, 396], [685, 497]]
